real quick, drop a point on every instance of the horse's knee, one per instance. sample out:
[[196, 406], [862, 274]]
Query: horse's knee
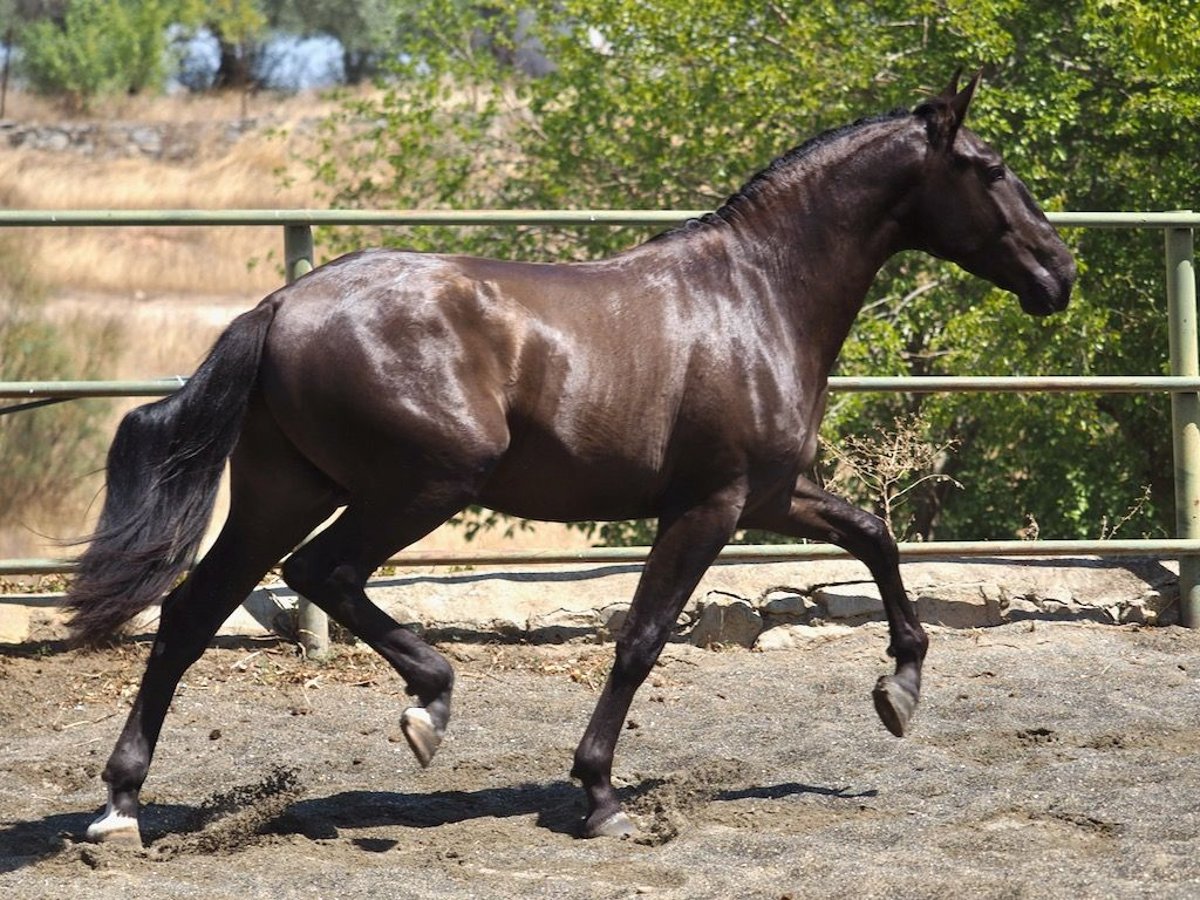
[[875, 534]]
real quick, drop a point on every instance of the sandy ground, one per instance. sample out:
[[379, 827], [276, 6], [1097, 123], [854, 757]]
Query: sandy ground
[[1047, 760]]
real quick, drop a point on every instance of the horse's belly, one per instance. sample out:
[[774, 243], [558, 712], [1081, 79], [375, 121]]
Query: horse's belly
[[546, 482]]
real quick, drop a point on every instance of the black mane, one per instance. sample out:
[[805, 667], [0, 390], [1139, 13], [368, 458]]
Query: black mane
[[785, 163]]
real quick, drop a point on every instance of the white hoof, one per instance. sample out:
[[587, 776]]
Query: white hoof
[[618, 825], [423, 738], [115, 828]]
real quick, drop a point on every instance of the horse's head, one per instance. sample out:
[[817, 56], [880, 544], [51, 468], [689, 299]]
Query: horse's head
[[972, 209]]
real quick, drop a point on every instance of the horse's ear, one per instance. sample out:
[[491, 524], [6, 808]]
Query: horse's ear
[[961, 100], [945, 113], [952, 88]]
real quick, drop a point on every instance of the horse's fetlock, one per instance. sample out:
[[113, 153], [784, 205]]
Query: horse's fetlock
[[589, 767]]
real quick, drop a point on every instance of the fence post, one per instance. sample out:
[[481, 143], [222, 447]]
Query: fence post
[[1185, 411], [297, 251], [312, 623]]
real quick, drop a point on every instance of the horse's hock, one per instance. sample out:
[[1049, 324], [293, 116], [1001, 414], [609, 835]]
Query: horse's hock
[[765, 605]]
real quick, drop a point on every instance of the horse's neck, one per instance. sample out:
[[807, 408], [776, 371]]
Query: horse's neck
[[822, 237]]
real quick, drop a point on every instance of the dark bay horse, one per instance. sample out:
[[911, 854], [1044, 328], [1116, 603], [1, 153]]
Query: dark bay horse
[[683, 379]]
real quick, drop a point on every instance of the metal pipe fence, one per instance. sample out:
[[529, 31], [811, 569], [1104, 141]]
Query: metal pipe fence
[[1183, 384]]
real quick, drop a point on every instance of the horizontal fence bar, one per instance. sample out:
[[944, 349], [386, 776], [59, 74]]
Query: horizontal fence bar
[[1166, 548], [1106, 384], [543, 217], [1100, 384], [313, 217], [1174, 219], [23, 390]]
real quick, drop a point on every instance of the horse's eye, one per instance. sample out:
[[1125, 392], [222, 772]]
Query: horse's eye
[[995, 173]]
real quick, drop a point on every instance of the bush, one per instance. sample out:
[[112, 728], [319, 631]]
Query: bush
[[100, 47]]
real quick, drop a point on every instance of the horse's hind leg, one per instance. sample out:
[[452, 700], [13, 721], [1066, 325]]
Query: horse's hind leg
[[275, 502], [813, 513], [332, 571]]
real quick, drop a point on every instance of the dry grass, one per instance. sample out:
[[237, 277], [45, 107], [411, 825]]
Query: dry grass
[[264, 169], [182, 107], [149, 261]]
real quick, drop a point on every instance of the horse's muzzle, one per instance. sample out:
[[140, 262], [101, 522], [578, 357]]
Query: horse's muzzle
[[1049, 290]]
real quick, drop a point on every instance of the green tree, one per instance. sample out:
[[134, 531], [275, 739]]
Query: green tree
[[662, 103], [97, 47], [239, 26], [367, 30]]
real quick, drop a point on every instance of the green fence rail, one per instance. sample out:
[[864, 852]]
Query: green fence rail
[[474, 217], [930, 384], [1183, 384]]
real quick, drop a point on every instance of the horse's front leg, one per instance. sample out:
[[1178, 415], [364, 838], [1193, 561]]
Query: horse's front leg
[[810, 512], [686, 545]]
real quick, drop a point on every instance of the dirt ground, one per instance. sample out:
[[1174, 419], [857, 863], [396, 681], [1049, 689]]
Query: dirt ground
[[1047, 760]]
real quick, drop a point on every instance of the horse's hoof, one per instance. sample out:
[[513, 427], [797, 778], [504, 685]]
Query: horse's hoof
[[117, 830], [894, 703], [618, 825], [423, 738]]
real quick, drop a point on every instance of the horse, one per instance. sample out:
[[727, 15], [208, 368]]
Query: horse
[[683, 379]]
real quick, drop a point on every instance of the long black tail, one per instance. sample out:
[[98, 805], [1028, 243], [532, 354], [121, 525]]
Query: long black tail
[[164, 467]]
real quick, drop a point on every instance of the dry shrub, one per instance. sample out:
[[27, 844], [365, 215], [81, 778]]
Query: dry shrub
[[889, 467]]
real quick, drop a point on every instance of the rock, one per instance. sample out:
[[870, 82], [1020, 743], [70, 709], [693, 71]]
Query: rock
[[726, 620], [960, 605], [790, 637], [1161, 606], [785, 607], [265, 609], [46, 623], [14, 623], [1136, 613], [849, 601], [611, 620], [1151, 607], [1162, 602], [1055, 608], [536, 604], [561, 625], [1056, 596], [1015, 609], [146, 140]]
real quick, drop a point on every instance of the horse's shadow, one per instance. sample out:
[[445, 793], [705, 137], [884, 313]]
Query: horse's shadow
[[558, 807]]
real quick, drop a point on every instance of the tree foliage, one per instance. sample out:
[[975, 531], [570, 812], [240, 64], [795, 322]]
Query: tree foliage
[[366, 30], [78, 50], [239, 27], [662, 103], [96, 47]]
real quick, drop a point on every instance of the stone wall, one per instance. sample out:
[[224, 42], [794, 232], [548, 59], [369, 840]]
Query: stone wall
[[765, 605], [173, 141]]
